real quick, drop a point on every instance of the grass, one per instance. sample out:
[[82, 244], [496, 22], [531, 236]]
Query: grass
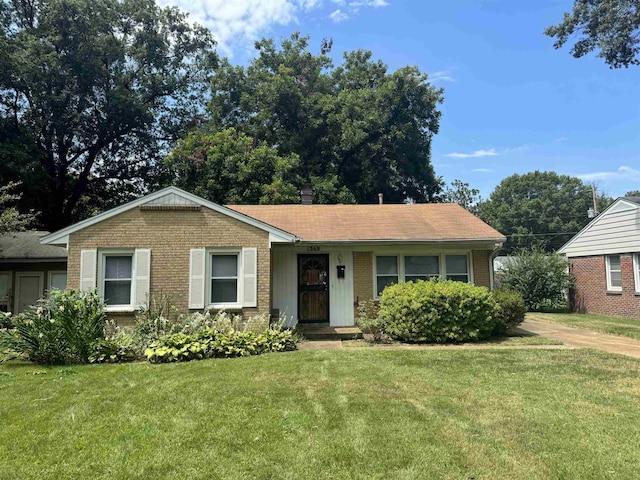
[[406, 414], [612, 325]]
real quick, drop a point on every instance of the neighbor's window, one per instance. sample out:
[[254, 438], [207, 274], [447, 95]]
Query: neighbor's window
[[224, 278], [457, 268], [421, 267], [57, 280], [636, 271], [614, 273], [118, 279], [386, 272]]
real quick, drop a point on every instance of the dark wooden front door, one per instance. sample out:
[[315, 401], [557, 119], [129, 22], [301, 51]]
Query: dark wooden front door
[[313, 288]]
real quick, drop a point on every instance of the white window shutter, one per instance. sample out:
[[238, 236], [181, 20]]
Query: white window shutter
[[88, 264], [196, 278], [143, 277], [250, 277]]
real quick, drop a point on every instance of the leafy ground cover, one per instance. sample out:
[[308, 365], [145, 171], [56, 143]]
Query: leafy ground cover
[[612, 325], [358, 413], [507, 340]]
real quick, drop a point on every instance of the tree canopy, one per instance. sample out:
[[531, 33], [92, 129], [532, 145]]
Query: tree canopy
[[11, 220], [540, 209], [610, 27], [357, 129], [461, 193], [94, 90], [230, 167]]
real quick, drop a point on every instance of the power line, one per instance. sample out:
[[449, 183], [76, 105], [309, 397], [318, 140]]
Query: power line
[[539, 234]]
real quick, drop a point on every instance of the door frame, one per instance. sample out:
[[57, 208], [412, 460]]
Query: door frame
[[17, 284], [298, 258]]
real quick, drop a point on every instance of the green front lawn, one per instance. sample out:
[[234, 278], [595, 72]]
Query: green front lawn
[[612, 325], [363, 413]]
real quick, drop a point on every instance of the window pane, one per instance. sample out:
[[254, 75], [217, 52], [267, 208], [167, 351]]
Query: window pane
[[421, 265], [456, 264], [616, 279], [387, 265], [58, 281], [458, 278], [224, 266], [224, 291], [4, 285], [117, 292], [385, 281], [117, 267], [614, 262]]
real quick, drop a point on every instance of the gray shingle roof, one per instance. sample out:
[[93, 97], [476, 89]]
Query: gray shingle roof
[[26, 245]]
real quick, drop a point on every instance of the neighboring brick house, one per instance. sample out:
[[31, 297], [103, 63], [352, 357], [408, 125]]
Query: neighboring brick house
[[311, 262], [604, 258]]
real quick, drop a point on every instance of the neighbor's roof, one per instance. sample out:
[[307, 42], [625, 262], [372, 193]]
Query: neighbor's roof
[[27, 246], [414, 222]]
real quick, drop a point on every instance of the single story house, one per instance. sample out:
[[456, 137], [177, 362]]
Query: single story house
[[604, 258], [313, 263], [28, 269]]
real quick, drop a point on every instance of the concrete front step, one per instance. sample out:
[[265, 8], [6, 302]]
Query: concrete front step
[[323, 331]]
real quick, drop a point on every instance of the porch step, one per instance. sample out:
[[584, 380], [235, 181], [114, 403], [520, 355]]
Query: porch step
[[323, 331]]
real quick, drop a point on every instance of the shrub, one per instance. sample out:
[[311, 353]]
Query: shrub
[[62, 329], [541, 279], [211, 343], [119, 347], [511, 310], [437, 311], [369, 320]]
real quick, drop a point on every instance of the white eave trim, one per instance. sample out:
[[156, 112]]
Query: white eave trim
[[61, 237]]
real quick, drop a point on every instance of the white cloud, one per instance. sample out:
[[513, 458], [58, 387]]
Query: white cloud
[[491, 152], [338, 16], [488, 152], [622, 173], [483, 170], [442, 76], [238, 23], [560, 140]]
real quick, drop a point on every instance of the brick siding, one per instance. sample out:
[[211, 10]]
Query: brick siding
[[481, 266], [170, 235], [591, 295], [362, 277]]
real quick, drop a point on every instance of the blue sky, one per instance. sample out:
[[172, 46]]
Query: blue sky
[[513, 103]]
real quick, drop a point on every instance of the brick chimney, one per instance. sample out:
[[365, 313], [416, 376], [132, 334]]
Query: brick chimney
[[306, 195]]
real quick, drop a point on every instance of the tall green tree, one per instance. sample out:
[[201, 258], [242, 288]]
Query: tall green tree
[[461, 193], [610, 27], [230, 167], [632, 193], [11, 220], [358, 129], [538, 209], [96, 89]]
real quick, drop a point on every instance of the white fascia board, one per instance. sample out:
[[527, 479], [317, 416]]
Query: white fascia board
[[62, 236], [562, 250]]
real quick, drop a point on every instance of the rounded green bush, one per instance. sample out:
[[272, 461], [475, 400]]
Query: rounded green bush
[[511, 310], [437, 311]]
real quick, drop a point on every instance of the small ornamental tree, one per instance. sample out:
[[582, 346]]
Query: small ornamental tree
[[541, 278]]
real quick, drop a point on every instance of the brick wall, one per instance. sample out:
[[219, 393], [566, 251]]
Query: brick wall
[[170, 234], [591, 296], [481, 266]]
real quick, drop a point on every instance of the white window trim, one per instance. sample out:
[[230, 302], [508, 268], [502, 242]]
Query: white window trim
[[636, 271], [50, 274], [102, 255], [400, 260], [611, 288], [209, 253]]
